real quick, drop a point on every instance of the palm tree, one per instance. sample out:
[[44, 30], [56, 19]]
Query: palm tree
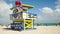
[[59, 23], [38, 24]]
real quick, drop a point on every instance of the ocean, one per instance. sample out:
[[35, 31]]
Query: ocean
[[47, 24]]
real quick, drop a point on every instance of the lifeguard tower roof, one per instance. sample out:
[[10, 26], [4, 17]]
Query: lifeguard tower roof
[[27, 5]]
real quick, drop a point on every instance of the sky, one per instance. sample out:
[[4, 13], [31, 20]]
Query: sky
[[48, 11]]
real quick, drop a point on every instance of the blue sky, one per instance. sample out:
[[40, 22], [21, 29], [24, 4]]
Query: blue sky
[[37, 3], [47, 10]]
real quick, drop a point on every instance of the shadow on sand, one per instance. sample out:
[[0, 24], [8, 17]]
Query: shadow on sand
[[11, 29], [18, 29]]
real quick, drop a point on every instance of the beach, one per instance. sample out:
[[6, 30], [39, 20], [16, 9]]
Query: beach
[[38, 30]]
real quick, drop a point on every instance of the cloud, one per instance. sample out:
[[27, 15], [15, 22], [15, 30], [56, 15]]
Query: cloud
[[46, 10], [39, 19], [50, 15], [58, 4], [4, 11]]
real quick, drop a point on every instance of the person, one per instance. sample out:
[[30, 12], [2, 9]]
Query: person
[[19, 6]]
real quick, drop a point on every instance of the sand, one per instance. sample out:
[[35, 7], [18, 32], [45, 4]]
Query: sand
[[39, 30]]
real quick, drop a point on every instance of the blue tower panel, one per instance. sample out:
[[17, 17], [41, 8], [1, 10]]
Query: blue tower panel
[[14, 15], [17, 26], [22, 25]]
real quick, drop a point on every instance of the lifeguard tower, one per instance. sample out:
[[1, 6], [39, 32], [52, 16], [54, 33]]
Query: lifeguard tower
[[21, 18]]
